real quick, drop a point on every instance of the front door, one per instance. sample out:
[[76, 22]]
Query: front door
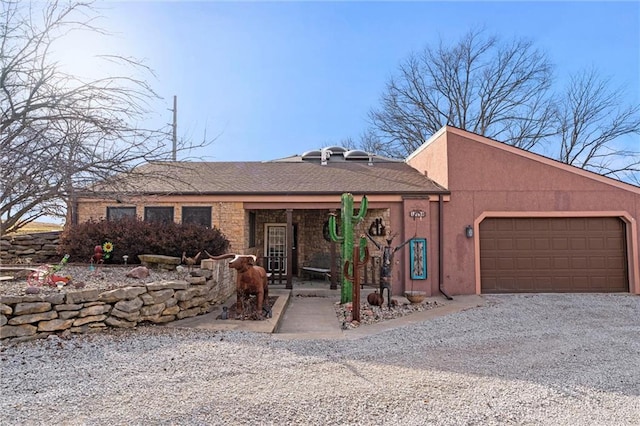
[[275, 247]]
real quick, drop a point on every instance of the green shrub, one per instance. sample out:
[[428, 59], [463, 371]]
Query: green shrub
[[132, 236]]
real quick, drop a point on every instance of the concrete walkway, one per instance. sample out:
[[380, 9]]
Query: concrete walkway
[[309, 313]]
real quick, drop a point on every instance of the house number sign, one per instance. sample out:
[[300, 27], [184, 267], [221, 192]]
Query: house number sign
[[417, 214]]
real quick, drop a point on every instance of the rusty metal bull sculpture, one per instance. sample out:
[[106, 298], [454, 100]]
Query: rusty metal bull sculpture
[[251, 280]]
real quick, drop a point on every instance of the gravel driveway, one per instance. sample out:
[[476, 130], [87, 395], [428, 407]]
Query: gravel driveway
[[526, 359]]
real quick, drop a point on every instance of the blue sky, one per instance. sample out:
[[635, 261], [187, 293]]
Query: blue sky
[[279, 78]]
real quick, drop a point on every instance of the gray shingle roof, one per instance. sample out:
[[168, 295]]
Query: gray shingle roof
[[280, 177]]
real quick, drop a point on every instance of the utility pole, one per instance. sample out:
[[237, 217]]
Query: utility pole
[[175, 126]]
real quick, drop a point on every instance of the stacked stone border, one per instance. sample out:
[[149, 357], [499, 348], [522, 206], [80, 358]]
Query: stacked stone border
[[83, 311], [34, 248]]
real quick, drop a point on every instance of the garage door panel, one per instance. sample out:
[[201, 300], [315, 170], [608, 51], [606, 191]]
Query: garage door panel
[[541, 244], [504, 264], [560, 263], [540, 225], [524, 263], [553, 255], [558, 225], [559, 243], [505, 244], [579, 243], [615, 244], [597, 243]]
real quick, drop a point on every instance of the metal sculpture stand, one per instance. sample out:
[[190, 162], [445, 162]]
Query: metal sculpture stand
[[359, 260], [386, 266]]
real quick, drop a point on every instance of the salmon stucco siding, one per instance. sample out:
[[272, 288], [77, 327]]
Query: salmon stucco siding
[[489, 179]]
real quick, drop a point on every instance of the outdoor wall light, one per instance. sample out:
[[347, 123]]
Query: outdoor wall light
[[468, 231]]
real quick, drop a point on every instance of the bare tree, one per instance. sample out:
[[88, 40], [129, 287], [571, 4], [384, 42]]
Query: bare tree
[[58, 131], [592, 120], [496, 89]]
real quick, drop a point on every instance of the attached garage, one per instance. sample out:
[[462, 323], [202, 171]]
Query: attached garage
[[554, 255]]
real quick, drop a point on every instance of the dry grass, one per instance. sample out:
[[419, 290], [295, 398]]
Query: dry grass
[[35, 227]]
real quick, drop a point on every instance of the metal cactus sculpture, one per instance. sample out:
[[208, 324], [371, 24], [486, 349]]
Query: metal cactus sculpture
[[361, 257], [346, 238]]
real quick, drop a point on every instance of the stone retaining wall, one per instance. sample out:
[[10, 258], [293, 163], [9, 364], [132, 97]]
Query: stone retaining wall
[[82, 311], [30, 248]]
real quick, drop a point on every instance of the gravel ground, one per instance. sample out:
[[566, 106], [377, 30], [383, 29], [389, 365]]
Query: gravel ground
[[104, 278], [530, 359]]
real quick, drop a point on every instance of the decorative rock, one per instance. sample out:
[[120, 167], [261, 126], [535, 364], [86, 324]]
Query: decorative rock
[[27, 319], [12, 300], [164, 319], [122, 293], [17, 331], [120, 323], [54, 299], [173, 310], [138, 272], [129, 316], [196, 280], [94, 310], [174, 285], [97, 325], [155, 297], [196, 301], [3, 320], [183, 295], [188, 313], [68, 307], [5, 309], [206, 273], [32, 290], [147, 311], [86, 320], [31, 308], [200, 290], [55, 325], [81, 296], [129, 305], [25, 252], [68, 314], [160, 261]]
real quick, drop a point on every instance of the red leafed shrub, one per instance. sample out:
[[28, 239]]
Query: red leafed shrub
[[132, 236]]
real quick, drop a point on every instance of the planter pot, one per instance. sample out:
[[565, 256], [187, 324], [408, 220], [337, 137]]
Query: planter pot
[[415, 296]]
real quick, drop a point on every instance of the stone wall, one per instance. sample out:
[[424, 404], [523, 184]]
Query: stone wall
[[30, 248], [82, 311]]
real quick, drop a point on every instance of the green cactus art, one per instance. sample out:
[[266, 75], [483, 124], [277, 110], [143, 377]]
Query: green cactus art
[[346, 238]]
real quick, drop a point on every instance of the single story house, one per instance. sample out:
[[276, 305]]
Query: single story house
[[479, 216]]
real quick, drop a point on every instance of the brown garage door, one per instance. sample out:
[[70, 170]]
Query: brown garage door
[[553, 255]]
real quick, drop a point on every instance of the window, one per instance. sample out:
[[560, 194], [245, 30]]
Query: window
[[158, 214], [115, 213], [198, 215]]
